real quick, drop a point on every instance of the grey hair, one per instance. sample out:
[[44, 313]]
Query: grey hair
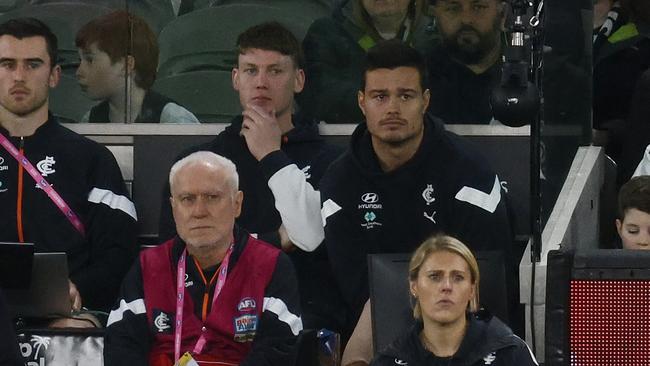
[[211, 159]]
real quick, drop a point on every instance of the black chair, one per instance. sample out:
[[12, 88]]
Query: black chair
[[64, 19], [390, 297], [68, 101], [157, 13], [205, 39], [206, 93]]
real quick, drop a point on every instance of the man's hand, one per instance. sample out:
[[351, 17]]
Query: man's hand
[[75, 297], [261, 131], [285, 242]]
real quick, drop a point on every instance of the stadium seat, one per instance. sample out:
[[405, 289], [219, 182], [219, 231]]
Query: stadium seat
[[157, 13], [206, 93], [390, 298], [64, 19], [308, 8], [205, 39], [67, 101]]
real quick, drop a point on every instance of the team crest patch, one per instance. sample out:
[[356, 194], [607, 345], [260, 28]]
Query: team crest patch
[[246, 304], [490, 358], [245, 328], [162, 322]]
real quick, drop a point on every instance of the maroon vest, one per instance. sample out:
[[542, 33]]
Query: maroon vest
[[232, 322]]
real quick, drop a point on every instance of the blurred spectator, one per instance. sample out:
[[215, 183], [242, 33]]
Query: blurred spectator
[[633, 224], [9, 352], [466, 66], [403, 178], [280, 159], [444, 282], [91, 217], [335, 49], [119, 58], [628, 140], [618, 64], [608, 18]]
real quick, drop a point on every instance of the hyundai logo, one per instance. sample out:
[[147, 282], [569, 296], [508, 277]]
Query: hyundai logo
[[370, 197]]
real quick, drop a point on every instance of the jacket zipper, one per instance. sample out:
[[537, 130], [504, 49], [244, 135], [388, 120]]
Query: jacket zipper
[[19, 203]]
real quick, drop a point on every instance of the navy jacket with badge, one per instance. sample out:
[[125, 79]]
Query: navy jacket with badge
[[446, 187], [88, 178], [487, 342]]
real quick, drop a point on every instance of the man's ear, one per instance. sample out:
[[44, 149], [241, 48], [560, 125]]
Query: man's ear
[[55, 76], [239, 199], [426, 96], [299, 83], [235, 78], [361, 100]]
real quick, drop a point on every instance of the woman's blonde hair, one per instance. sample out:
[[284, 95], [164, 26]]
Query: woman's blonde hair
[[439, 243]]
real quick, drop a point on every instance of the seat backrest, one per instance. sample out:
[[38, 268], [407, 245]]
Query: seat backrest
[[67, 101], [390, 299], [206, 38], [207, 93], [64, 19], [156, 13]]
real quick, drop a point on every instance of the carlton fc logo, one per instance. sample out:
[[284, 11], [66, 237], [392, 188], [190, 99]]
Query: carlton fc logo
[[45, 166]]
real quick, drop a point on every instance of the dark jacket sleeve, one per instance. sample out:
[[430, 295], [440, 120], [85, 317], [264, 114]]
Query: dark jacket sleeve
[[522, 355], [276, 340], [333, 69], [111, 232], [128, 339], [346, 248], [9, 352], [482, 229]]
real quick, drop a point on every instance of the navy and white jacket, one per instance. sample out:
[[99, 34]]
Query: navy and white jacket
[[135, 328], [88, 178], [279, 189], [487, 342], [446, 187]]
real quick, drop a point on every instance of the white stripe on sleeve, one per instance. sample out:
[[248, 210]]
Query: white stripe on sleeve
[[279, 308], [112, 200], [136, 307], [488, 202], [329, 208]]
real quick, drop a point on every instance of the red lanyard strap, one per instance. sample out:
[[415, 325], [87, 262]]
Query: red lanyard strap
[[180, 296], [47, 187]]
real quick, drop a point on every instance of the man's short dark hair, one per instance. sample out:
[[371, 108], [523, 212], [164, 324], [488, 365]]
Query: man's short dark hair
[[634, 194], [271, 36], [31, 27], [392, 54]]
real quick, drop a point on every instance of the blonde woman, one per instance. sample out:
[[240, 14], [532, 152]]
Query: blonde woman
[[444, 282]]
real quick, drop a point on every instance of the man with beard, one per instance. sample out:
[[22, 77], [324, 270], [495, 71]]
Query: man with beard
[[58, 190], [467, 64]]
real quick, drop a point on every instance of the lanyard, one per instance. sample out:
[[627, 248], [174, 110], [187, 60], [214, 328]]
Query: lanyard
[[180, 296], [47, 187]]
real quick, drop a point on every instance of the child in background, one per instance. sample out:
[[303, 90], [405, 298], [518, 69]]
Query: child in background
[[633, 224], [118, 62]]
